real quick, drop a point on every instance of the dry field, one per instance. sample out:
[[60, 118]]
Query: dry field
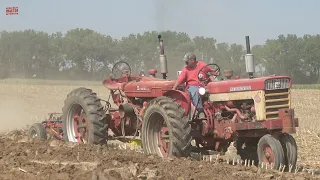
[[24, 103]]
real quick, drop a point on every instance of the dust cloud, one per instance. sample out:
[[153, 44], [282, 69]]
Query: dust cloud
[[14, 114]]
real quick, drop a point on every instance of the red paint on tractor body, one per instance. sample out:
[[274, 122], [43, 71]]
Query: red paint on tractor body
[[53, 125], [148, 87], [181, 97], [289, 122], [249, 84], [140, 86]]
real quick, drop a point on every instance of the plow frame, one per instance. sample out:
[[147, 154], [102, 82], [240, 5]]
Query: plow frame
[[53, 125]]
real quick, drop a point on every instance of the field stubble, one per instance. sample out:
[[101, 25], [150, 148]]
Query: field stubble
[[23, 105]]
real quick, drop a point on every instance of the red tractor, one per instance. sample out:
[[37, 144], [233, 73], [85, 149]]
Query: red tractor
[[255, 113]]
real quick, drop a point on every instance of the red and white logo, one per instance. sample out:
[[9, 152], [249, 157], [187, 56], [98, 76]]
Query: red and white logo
[[12, 11]]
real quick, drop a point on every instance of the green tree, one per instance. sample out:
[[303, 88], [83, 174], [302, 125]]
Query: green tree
[[87, 54]]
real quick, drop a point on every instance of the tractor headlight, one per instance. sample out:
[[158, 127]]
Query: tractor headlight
[[202, 91]]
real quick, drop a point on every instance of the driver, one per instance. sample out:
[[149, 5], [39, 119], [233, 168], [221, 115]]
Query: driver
[[189, 75]]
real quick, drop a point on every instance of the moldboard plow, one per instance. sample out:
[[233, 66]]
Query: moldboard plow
[[251, 115]]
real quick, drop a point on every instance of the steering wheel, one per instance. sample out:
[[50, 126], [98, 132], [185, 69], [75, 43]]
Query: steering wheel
[[204, 75], [120, 69]]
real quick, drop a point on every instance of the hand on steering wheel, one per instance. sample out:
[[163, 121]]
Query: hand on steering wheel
[[206, 73]]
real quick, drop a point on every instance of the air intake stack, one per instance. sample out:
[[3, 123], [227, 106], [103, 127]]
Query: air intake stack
[[249, 59], [163, 59]]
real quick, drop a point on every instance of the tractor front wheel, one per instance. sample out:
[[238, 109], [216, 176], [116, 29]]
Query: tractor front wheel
[[37, 131], [165, 129], [290, 150], [270, 151], [83, 118]]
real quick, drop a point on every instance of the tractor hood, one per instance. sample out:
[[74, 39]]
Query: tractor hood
[[258, 83], [148, 87]]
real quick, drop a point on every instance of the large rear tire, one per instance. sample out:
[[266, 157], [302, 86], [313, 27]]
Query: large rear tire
[[84, 119], [164, 118], [270, 151]]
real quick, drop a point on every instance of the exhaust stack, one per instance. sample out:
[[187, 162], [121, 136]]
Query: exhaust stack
[[163, 59], [249, 59]]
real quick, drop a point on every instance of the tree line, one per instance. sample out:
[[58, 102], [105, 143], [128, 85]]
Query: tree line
[[88, 55]]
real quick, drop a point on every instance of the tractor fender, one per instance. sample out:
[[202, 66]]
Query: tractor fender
[[181, 97]]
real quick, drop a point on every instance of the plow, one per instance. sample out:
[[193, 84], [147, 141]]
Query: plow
[[253, 115]]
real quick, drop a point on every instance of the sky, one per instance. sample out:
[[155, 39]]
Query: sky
[[225, 20]]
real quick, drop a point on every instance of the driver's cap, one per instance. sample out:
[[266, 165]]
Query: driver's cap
[[188, 56]]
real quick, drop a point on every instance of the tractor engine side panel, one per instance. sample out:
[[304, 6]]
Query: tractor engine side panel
[[256, 111], [256, 96]]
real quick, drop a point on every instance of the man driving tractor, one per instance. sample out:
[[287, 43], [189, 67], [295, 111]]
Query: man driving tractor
[[189, 75]]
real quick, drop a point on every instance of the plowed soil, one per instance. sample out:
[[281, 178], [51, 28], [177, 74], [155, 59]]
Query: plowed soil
[[21, 158]]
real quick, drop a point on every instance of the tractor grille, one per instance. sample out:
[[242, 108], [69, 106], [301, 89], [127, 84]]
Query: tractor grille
[[275, 100], [273, 84]]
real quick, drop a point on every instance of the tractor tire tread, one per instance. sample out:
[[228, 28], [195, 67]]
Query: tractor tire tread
[[176, 121], [290, 150], [94, 111]]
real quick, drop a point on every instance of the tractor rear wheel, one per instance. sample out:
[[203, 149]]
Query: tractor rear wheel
[[83, 118], [270, 151], [165, 129], [290, 150], [37, 131]]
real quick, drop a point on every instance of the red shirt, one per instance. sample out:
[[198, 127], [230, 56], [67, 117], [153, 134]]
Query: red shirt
[[190, 76]]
